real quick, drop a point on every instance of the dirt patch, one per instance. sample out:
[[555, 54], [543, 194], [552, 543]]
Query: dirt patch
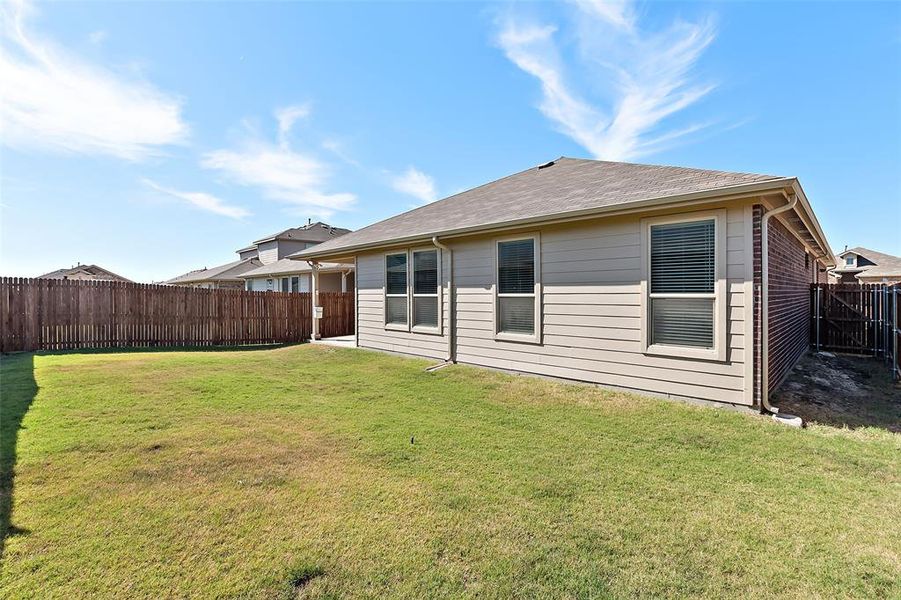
[[843, 390]]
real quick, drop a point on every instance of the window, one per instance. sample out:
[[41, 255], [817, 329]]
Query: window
[[295, 284], [425, 289], [682, 286], [286, 284], [269, 285], [516, 309], [248, 285], [849, 261], [396, 290]]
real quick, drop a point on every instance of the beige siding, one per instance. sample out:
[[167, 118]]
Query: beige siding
[[591, 303], [371, 311], [591, 313], [268, 252]]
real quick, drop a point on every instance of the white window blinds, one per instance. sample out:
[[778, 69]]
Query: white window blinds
[[682, 286]]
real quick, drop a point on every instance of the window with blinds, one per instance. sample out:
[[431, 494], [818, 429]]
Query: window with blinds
[[683, 283], [516, 287], [425, 288], [396, 289]]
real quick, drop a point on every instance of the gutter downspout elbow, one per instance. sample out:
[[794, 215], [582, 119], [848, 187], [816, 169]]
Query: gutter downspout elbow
[[765, 303], [451, 301]]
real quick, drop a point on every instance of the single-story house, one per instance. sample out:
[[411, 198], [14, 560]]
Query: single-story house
[[82, 272], [862, 265], [288, 275], [681, 282], [222, 277]]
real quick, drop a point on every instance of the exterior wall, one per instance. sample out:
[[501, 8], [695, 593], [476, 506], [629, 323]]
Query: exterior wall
[[252, 253], [591, 312], [286, 247], [371, 329], [330, 282], [790, 277], [268, 252]]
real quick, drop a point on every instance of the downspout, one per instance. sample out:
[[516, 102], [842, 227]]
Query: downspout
[[451, 302], [765, 303]]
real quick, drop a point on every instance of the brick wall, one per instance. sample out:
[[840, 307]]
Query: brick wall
[[791, 271]]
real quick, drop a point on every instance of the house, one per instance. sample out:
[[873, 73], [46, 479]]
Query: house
[[280, 273], [264, 266], [674, 281], [222, 277], [862, 265], [82, 272]]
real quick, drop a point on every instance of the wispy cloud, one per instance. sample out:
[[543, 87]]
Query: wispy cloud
[[651, 75], [296, 178], [201, 200], [288, 116], [417, 184], [97, 37], [54, 100]]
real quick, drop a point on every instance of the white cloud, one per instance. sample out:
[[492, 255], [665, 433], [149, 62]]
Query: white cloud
[[283, 174], [417, 184], [650, 77], [288, 116], [201, 200], [54, 100]]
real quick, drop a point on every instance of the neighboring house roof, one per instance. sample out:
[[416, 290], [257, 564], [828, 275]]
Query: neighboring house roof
[[84, 272], [561, 188], [287, 266], [883, 265], [314, 232], [227, 272]]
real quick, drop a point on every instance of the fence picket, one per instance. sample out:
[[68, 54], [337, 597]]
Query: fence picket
[[48, 314]]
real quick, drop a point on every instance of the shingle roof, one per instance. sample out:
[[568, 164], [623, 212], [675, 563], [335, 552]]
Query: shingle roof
[[93, 271], [228, 272], [886, 265], [288, 266], [314, 232], [562, 186]]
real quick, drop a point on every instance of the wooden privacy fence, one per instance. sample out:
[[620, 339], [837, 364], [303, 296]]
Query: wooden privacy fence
[[53, 314], [857, 318]]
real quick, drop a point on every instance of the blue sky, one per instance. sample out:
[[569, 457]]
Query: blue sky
[[157, 138]]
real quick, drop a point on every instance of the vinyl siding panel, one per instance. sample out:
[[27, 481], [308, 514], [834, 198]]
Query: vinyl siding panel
[[371, 313], [591, 307]]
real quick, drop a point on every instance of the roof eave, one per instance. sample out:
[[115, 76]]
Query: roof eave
[[726, 192]]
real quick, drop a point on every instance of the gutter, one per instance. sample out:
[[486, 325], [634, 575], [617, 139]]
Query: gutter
[[765, 308], [451, 302]]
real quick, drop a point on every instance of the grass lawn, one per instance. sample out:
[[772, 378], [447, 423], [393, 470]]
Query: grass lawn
[[331, 473]]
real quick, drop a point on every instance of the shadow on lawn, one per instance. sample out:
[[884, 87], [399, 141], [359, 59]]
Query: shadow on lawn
[[111, 350], [17, 391]]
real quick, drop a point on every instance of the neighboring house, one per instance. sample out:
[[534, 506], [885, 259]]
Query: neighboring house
[[642, 277], [287, 275], [862, 265], [84, 273], [264, 266]]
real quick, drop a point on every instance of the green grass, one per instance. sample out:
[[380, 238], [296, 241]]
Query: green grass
[[322, 472]]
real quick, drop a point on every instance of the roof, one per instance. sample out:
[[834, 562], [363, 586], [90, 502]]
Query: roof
[[93, 272], [562, 187], [884, 265], [287, 266], [227, 272], [314, 232]]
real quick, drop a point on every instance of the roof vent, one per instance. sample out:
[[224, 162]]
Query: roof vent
[[549, 163]]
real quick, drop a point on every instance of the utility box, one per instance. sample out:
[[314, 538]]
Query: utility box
[[317, 312]]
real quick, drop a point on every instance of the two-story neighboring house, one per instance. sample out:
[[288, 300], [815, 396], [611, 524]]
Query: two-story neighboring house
[[280, 273], [862, 265], [264, 265]]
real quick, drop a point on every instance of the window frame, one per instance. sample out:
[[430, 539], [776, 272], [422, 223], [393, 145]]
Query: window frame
[[536, 336], [411, 285], [386, 295], [719, 294]]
